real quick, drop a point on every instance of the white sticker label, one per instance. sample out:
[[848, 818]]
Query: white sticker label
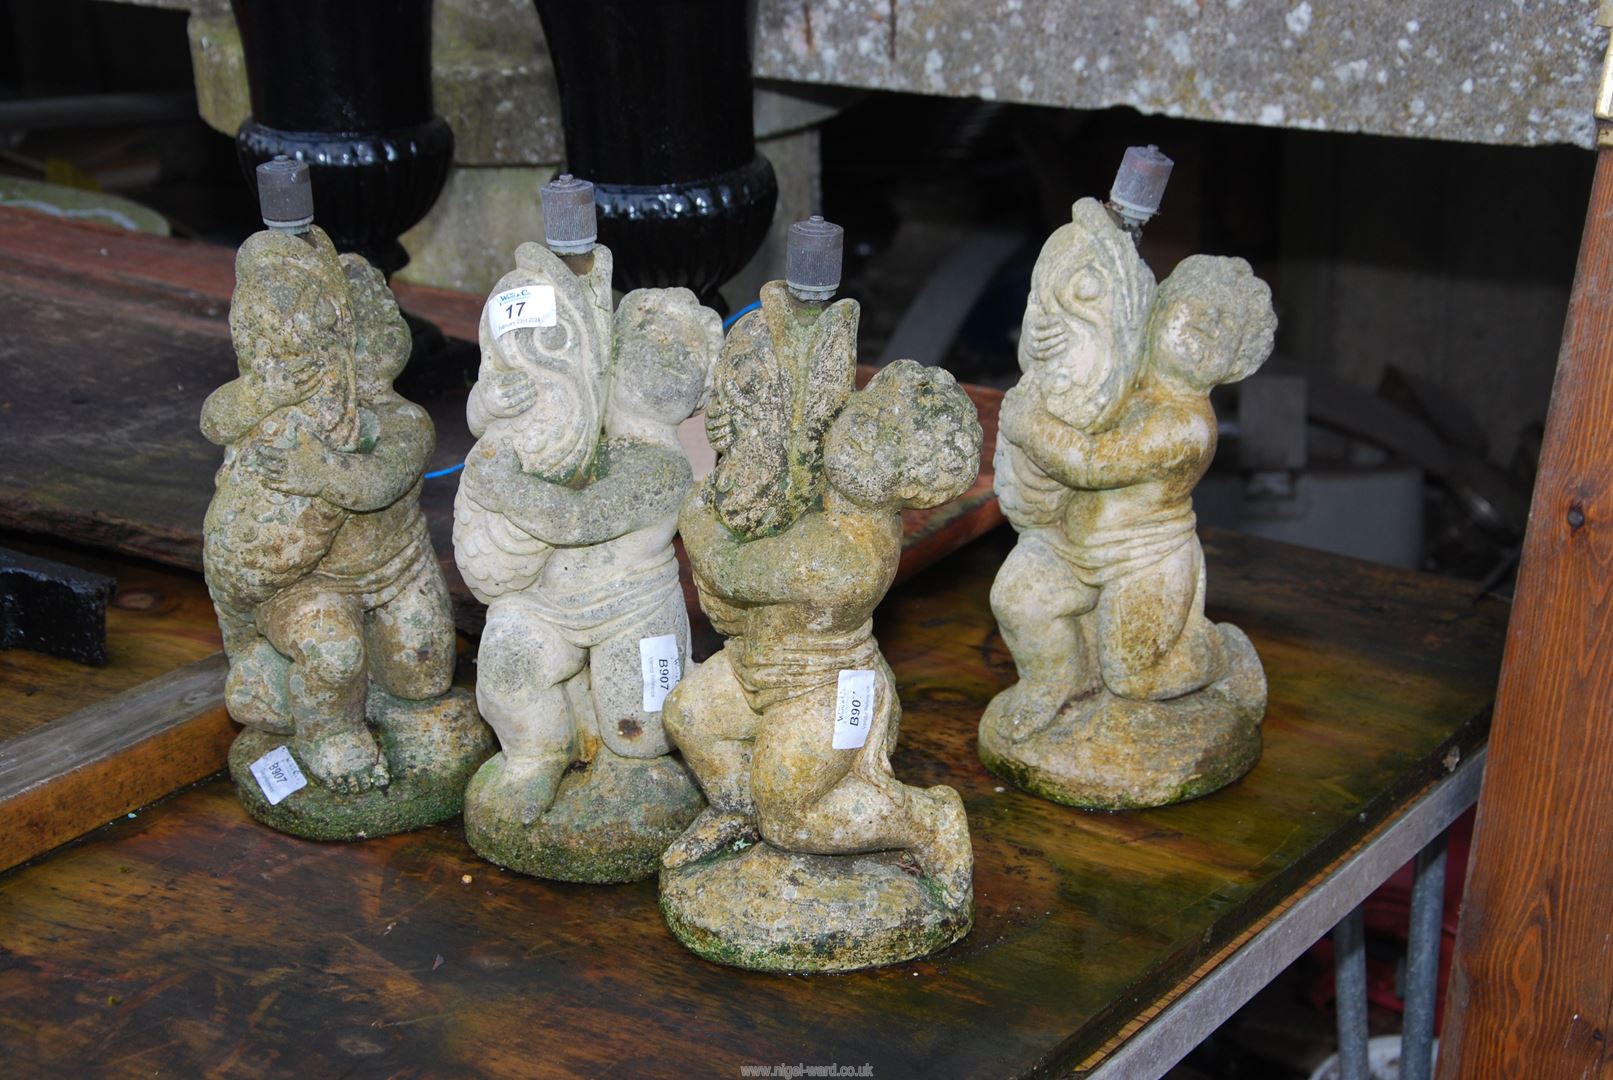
[[658, 660], [854, 709], [277, 774], [530, 305]]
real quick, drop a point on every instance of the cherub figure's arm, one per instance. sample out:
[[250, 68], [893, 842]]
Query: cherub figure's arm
[[1149, 443], [375, 480], [643, 484], [498, 394], [501, 391], [358, 481], [826, 558], [235, 408]]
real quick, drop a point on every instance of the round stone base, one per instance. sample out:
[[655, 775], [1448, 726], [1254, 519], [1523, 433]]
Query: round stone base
[[432, 749], [610, 820], [771, 910], [1109, 753]]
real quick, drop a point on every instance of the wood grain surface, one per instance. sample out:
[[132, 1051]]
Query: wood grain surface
[[64, 778], [159, 619], [114, 339], [1531, 990], [80, 745], [190, 941]]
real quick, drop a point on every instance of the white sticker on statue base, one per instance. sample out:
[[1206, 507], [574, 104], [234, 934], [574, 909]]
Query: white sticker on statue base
[[659, 663], [529, 305], [277, 774], [854, 709]]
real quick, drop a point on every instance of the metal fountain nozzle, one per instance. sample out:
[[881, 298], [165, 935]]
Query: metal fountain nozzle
[[812, 259], [1139, 186], [570, 226], [285, 195]]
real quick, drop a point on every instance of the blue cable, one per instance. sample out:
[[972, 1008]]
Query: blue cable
[[728, 323]]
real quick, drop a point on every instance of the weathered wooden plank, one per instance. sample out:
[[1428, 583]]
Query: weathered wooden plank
[[159, 619], [1531, 991], [107, 746], [191, 941], [66, 777]]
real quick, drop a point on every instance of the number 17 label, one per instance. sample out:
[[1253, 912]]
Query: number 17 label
[[529, 305]]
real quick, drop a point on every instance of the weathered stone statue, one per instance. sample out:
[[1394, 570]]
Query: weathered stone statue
[[1127, 695], [334, 610], [568, 539], [812, 856]]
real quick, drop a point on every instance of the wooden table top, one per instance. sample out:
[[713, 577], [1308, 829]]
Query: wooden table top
[[188, 940]]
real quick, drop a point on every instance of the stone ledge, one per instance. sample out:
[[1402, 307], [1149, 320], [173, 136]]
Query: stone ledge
[[1502, 73]]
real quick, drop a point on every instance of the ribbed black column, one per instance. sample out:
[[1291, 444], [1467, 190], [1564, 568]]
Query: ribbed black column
[[655, 99], [345, 85]]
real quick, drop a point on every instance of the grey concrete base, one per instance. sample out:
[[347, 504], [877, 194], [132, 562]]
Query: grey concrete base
[[771, 910], [610, 821], [1103, 752], [432, 749]]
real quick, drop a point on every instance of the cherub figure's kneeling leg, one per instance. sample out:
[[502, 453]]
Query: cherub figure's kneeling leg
[[616, 673], [411, 638], [1038, 602], [813, 798], [1154, 641], [323, 635], [522, 667], [713, 726]]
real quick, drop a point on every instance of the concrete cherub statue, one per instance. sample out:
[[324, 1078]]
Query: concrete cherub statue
[[586, 627], [790, 726], [1128, 694], [335, 614]]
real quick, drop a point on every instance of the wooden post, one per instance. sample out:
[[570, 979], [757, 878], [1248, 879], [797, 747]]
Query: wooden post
[[1531, 992]]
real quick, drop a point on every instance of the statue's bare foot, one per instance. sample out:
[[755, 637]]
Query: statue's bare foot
[[709, 833], [523, 786], [347, 761], [946, 857], [1029, 708]]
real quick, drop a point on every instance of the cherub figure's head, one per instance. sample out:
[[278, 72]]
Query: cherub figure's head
[[910, 439], [383, 341], [666, 346], [1081, 339], [1212, 323]]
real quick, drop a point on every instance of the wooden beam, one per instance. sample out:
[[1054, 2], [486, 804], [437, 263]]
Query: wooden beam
[[64, 778], [1531, 990]]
